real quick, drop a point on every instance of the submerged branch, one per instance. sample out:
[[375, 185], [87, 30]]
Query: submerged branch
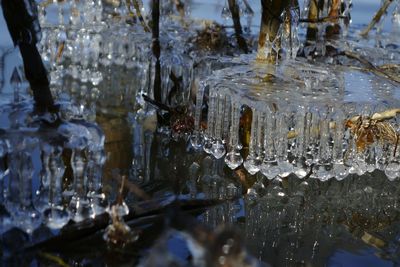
[[377, 17], [234, 8]]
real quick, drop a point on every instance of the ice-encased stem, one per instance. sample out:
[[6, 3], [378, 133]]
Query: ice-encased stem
[[233, 159]]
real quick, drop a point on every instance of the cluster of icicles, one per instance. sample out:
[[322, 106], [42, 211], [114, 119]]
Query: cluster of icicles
[[34, 186], [305, 141]]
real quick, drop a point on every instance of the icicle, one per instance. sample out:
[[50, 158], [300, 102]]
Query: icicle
[[225, 13], [26, 216], [312, 135], [42, 195], [233, 159], [197, 138], [94, 174], [79, 205], [300, 145], [218, 148], [269, 166], [281, 146], [339, 169], [324, 162], [212, 106], [56, 216], [226, 119], [253, 160]]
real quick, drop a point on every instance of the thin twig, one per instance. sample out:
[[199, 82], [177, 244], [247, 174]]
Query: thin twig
[[234, 8], [371, 67], [377, 17]]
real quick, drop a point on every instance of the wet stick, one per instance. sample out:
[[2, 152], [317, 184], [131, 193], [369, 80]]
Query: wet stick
[[234, 8], [382, 10]]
